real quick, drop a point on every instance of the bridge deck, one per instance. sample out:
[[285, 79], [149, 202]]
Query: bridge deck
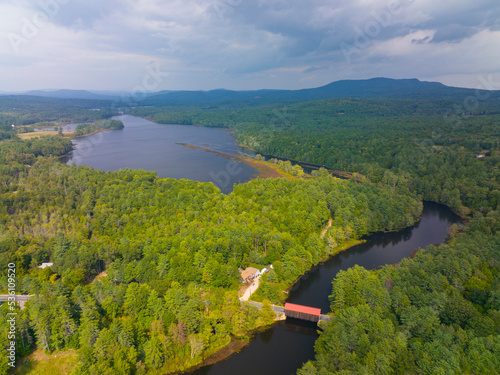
[[310, 314], [281, 310]]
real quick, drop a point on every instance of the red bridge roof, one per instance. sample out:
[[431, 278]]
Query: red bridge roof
[[303, 309]]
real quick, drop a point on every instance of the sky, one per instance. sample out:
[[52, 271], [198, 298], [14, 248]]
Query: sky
[[152, 45]]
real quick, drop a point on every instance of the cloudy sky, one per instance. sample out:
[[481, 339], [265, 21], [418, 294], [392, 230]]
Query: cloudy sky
[[244, 44]]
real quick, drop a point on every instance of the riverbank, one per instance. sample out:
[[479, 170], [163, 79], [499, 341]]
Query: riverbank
[[336, 173], [236, 345], [233, 347], [337, 250], [265, 169], [89, 134]]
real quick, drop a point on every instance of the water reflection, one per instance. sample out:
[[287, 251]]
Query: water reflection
[[142, 144], [283, 349]]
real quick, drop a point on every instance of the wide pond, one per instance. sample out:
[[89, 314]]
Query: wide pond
[[282, 349], [142, 144]]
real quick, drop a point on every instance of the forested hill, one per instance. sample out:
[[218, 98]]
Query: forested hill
[[436, 149], [170, 251], [145, 274], [21, 110], [371, 88], [368, 88]]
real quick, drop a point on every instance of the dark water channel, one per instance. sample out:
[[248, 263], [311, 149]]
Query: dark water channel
[[282, 349]]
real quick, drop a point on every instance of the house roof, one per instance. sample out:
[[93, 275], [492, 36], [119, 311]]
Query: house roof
[[45, 265], [302, 309], [248, 272]]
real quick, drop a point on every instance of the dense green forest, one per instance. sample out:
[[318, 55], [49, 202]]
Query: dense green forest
[[84, 129], [428, 148], [438, 313], [171, 251], [36, 111], [146, 270]]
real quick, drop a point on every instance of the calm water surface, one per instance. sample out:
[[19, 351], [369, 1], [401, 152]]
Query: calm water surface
[[143, 144], [283, 349]]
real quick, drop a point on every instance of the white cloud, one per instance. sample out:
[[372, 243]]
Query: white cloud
[[245, 43]]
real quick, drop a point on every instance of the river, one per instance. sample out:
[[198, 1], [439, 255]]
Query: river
[[283, 348]]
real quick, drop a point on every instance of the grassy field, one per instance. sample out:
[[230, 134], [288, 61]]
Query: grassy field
[[32, 135], [39, 134], [40, 363]]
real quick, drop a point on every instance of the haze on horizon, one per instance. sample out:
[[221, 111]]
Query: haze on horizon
[[244, 44]]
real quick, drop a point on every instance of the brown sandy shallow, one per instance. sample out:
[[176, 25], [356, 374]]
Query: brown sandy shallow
[[265, 170], [269, 170]]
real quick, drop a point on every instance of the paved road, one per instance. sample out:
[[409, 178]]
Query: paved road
[[250, 290], [276, 309]]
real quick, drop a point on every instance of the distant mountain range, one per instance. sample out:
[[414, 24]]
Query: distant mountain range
[[370, 88], [72, 94]]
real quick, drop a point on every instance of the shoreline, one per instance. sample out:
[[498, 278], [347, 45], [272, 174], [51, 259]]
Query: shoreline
[[82, 136], [339, 249], [86, 135], [236, 345], [341, 174], [264, 169], [65, 155], [220, 355], [336, 173], [100, 130], [232, 348]]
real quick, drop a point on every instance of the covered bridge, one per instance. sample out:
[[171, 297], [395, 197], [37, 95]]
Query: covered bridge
[[311, 314]]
